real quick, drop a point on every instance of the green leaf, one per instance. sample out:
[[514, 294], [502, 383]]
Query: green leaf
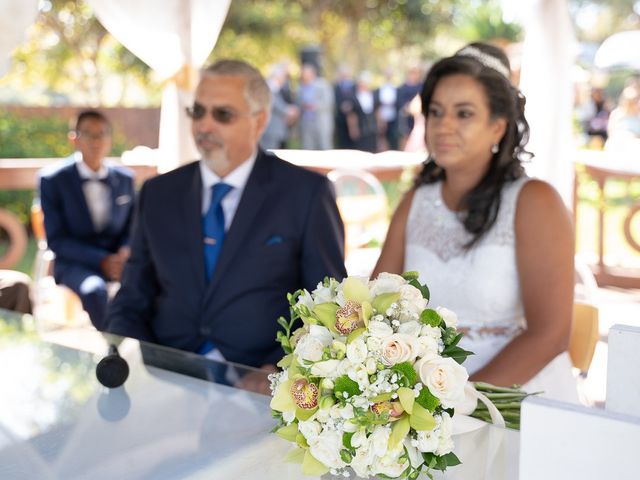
[[451, 459], [345, 455], [427, 400], [449, 336], [406, 370], [285, 361], [411, 275], [346, 439], [423, 289], [457, 353], [430, 317], [345, 384]]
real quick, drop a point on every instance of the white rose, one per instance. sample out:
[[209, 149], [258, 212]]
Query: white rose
[[398, 348], [327, 368], [326, 449], [364, 454], [449, 317], [380, 440], [412, 328], [444, 378], [379, 329], [310, 429], [390, 463], [386, 283], [357, 351]]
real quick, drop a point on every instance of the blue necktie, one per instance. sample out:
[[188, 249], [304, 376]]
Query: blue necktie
[[213, 228]]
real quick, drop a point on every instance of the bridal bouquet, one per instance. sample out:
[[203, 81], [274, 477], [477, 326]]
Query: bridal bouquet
[[369, 380]]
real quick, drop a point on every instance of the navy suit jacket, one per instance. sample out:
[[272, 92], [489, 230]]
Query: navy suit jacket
[[286, 234], [71, 234]]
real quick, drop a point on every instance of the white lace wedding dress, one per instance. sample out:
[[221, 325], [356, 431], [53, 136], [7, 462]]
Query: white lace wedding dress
[[480, 285]]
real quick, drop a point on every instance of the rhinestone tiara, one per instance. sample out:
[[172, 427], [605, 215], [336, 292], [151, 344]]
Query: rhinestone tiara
[[485, 59]]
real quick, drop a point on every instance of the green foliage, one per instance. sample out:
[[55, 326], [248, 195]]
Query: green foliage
[[36, 137], [345, 384], [427, 400], [407, 375]]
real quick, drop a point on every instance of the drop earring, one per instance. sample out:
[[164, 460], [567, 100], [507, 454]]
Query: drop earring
[[495, 148]]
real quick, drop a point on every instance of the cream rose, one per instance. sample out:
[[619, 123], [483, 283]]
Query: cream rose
[[398, 348], [444, 378]]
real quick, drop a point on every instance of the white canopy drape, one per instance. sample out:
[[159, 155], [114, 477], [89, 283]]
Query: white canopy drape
[[16, 16], [173, 37], [547, 60]]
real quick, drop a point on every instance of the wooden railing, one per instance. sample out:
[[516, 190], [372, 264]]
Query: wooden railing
[[604, 167]]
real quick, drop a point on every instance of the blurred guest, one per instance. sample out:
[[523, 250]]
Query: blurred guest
[[624, 121], [315, 99], [87, 207], [407, 92], [15, 291], [387, 95], [363, 126], [283, 113], [344, 92]]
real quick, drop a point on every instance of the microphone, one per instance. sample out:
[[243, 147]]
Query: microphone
[[112, 370]]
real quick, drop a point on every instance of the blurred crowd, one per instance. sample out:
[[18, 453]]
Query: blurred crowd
[[350, 112]]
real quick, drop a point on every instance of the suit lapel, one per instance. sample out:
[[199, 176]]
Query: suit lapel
[[78, 193], [191, 212], [253, 197]]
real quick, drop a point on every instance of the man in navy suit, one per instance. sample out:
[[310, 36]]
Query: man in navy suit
[[281, 232], [87, 208]]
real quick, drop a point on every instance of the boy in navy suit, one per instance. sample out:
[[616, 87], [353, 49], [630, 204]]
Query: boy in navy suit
[[87, 208], [217, 244]]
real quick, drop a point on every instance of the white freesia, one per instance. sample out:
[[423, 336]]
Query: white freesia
[[444, 378], [364, 454], [398, 348], [326, 368], [322, 294], [390, 464], [449, 317], [427, 441], [380, 440], [379, 329], [429, 331], [445, 437], [357, 351], [412, 328], [306, 299], [428, 346], [414, 455], [326, 448], [310, 430], [289, 416], [386, 283]]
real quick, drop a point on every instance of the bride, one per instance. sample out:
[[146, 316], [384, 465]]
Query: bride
[[493, 245]]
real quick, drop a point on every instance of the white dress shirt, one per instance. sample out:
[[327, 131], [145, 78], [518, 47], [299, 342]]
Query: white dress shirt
[[237, 179], [96, 193]]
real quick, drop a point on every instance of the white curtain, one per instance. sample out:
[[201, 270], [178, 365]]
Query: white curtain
[[547, 59], [173, 37], [15, 17]]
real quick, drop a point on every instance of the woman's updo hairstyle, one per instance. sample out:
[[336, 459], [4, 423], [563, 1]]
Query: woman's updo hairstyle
[[489, 66]]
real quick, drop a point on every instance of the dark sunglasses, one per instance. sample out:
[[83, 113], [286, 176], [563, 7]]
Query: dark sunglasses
[[219, 114]]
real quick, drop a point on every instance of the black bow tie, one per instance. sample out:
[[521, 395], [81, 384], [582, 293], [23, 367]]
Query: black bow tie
[[104, 180]]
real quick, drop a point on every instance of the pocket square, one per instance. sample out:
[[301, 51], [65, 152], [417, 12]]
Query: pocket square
[[274, 240], [123, 199]]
